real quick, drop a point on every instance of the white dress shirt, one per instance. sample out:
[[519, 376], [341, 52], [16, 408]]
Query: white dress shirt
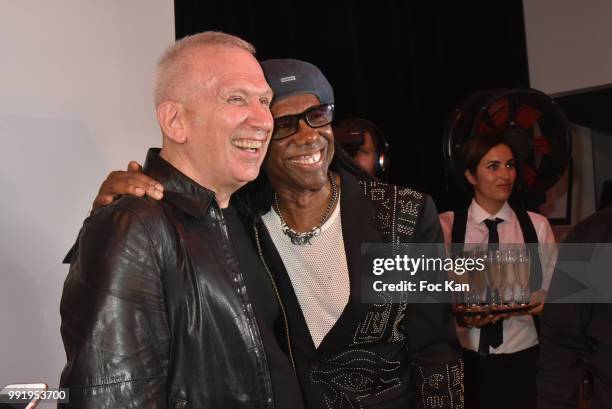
[[519, 332]]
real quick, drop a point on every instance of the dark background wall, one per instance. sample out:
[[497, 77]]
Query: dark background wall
[[402, 64]]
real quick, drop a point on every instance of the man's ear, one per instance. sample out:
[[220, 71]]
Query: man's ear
[[172, 120], [470, 178]]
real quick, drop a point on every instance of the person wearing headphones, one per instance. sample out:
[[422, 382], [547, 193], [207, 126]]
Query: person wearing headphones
[[366, 144]]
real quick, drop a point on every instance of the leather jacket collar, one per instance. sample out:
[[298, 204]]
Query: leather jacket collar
[[179, 190]]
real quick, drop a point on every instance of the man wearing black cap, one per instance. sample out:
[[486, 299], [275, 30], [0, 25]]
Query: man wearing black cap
[[311, 212]]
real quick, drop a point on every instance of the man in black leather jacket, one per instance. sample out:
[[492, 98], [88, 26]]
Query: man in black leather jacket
[[155, 311]]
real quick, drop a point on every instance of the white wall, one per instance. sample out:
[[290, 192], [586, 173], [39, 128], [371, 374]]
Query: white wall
[[568, 43], [568, 48], [75, 102], [583, 187]]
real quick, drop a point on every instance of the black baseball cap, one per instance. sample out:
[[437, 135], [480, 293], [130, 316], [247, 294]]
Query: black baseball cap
[[288, 77]]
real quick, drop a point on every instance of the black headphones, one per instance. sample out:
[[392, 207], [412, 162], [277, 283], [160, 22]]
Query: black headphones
[[382, 146], [382, 151]]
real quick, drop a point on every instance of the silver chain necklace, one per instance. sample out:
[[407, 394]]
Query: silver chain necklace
[[304, 238]]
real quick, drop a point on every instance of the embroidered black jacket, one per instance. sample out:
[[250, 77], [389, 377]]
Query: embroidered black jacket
[[384, 355]]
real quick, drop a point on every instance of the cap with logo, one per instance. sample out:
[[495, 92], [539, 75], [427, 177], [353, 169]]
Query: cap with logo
[[288, 77]]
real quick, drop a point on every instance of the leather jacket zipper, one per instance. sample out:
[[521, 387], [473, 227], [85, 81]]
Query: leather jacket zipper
[[280, 303], [252, 321]]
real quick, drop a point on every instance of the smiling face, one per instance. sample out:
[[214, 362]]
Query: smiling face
[[495, 175], [301, 161], [228, 120]]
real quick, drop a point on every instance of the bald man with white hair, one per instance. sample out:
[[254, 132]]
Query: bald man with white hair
[[166, 304]]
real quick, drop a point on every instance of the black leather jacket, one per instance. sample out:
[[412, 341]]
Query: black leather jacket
[[155, 312]]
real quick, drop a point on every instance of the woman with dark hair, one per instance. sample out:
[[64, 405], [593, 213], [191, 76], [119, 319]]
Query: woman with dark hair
[[500, 352]]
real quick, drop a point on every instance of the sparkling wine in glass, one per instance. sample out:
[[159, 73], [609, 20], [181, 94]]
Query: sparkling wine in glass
[[508, 274], [478, 279], [523, 269], [459, 277], [493, 275]]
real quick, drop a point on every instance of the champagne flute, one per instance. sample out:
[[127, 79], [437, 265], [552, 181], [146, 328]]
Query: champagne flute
[[523, 269], [508, 274], [479, 279], [461, 298], [473, 294], [493, 275]]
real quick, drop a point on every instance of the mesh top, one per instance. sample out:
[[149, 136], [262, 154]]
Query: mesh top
[[318, 272]]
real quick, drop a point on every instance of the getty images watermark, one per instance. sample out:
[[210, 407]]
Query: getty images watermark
[[412, 266], [434, 273]]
